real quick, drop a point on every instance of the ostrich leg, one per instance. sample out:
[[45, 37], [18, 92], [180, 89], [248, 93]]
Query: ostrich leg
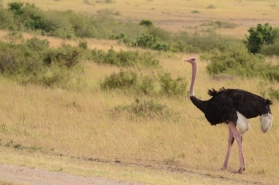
[[238, 138], [230, 143]]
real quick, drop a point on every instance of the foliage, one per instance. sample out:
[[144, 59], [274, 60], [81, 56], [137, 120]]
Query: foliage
[[259, 36], [145, 109], [195, 11], [219, 24], [124, 58], [146, 23], [122, 37], [123, 79], [65, 24], [236, 60], [141, 84], [203, 42], [69, 24], [171, 86], [211, 6], [151, 42], [32, 61], [272, 49], [160, 33], [7, 20]]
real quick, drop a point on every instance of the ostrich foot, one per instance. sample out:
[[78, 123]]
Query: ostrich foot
[[224, 168], [241, 169]]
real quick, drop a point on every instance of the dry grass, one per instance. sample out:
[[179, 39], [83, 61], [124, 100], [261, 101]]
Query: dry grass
[[78, 123], [177, 15]]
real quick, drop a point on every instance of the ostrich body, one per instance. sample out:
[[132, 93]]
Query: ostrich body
[[233, 107]]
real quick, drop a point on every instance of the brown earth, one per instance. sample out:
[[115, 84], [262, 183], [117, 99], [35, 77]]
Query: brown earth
[[25, 175]]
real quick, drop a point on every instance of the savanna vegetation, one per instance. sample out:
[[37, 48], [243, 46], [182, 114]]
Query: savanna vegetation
[[129, 104]]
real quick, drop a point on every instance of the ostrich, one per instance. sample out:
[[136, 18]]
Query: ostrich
[[233, 107]]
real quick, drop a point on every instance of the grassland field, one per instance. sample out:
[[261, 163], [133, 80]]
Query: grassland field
[[73, 130]]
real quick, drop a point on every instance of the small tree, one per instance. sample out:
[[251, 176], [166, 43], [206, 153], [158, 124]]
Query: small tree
[[259, 36]]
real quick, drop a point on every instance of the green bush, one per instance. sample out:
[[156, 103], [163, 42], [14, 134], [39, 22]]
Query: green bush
[[204, 42], [273, 48], [219, 24], [144, 109], [146, 23], [124, 58], [270, 50], [259, 36], [65, 55], [32, 61], [150, 42], [145, 84], [65, 24], [170, 86], [123, 79], [7, 20], [122, 37], [161, 34], [236, 60]]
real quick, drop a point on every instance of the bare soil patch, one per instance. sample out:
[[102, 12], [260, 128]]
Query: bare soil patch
[[25, 175]]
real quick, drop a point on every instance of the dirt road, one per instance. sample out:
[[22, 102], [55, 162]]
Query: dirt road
[[28, 176]]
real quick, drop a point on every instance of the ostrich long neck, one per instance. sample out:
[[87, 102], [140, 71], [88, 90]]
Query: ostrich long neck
[[194, 75]]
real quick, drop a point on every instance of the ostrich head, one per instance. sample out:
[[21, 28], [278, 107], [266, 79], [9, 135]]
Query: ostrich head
[[191, 60]]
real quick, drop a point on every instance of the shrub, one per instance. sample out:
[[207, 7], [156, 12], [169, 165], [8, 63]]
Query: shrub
[[171, 86], [146, 23], [204, 42], [148, 41], [122, 37], [259, 36], [219, 24], [144, 109], [123, 79], [272, 49], [30, 62], [129, 80], [7, 20], [236, 60], [195, 11], [146, 85], [65, 55], [16, 7], [159, 33], [124, 58], [211, 6]]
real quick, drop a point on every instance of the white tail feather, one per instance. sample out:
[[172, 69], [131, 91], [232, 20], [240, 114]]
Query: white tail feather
[[266, 122], [242, 123]]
